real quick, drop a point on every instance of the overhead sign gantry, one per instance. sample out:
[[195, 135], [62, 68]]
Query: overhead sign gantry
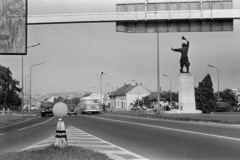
[[183, 16], [160, 11]]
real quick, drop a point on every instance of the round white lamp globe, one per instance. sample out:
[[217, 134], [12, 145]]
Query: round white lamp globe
[[60, 110]]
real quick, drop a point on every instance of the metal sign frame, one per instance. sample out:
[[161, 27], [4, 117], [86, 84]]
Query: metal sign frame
[[13, 27]]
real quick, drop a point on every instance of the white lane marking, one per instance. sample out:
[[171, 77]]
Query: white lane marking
[[43, 122], [93, 143], [126, 151], [195, 122], [36, 124], [166, 128], [22, 128], [2, 134]]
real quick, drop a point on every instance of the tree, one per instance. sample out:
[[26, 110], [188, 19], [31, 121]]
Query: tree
[[75, 101], [9, 90], [166, 95], [228, 96], [145, 101], [135, 103], [204, 94], [58, 99]]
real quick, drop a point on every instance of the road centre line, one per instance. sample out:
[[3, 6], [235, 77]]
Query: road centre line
[[36, 124], [22, 128], [43, 122], [166, 128]]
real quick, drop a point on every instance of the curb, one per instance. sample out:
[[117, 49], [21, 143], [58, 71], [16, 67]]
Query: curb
[[20, 120]]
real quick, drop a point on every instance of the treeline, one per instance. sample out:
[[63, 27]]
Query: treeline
[[9, 89], [206, 98]]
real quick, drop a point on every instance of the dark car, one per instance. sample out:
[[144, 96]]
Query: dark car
[[135, 108], [224, 107], [72, 110], [47, 108]]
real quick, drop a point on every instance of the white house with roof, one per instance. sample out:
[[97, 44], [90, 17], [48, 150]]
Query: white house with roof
[[127, 94]]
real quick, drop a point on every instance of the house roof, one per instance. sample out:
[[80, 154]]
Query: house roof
[[154, 95], [123, 90], [51, 99], [86, 94]]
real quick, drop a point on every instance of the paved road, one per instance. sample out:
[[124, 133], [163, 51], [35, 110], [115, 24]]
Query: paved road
[[152, 139], [17, 136]]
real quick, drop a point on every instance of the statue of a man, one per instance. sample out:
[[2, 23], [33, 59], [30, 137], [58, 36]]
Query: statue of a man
[[184, 57]]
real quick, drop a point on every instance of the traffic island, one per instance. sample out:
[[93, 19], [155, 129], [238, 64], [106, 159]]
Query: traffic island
[[56, 153]]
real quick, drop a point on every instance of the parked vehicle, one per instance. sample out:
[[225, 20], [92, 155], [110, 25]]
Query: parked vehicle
[[72, 110], [89, 105], [224, 107], [47, 108], [135, 108]]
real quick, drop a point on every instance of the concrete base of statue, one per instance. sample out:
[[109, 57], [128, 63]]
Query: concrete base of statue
[[186, 94]]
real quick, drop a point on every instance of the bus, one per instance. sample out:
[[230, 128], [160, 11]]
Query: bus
[[90, 105]]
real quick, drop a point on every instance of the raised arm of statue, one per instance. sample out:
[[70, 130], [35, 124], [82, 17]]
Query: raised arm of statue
[[187, 43], [177, 49]]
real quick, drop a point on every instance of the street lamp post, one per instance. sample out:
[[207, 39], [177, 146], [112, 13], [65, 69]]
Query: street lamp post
[[170, 87], [26, 87], [218, 79], [138, 90], [34, 45], [31, 79], [158, 75], [102, 74], [111, 94]]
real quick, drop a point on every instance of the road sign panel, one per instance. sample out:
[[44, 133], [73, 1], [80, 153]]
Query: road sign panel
[[13, 24], [190, 8]]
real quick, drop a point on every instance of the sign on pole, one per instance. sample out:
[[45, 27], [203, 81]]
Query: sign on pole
[[13, 27]]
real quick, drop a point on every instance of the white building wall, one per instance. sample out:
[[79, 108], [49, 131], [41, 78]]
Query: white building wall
[[120, 102], [132, 96], [123, 102]]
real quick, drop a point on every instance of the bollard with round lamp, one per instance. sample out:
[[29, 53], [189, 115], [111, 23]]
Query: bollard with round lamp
[[60, 110]]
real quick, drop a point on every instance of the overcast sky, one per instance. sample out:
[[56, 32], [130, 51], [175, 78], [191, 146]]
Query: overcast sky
[[72, 52]]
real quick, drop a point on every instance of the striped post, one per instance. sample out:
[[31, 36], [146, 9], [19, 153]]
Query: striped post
[[61, 136]]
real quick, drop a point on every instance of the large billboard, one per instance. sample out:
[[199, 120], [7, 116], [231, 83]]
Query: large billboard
[[13, 27], [171, 25]]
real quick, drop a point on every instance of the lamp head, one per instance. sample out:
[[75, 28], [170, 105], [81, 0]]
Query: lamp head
[[36, 44]]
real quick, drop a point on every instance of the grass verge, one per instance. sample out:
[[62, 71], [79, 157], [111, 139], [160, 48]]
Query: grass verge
[[14, 117], [56, 153], [226, 118]]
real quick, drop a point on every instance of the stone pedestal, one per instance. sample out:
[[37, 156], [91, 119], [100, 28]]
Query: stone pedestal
[[186, 94]]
